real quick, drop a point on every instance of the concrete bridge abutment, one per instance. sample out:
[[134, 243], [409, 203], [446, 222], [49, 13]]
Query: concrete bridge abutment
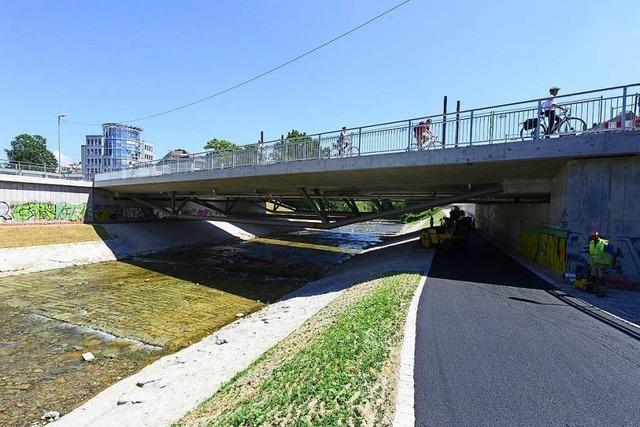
[[585, 195]]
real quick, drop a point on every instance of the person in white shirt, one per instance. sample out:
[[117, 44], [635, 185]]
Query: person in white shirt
[[343, 141], [549, 106]]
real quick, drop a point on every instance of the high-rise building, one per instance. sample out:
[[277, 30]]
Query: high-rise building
[[119, 147]]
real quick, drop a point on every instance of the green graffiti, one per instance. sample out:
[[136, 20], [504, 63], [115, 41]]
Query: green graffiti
[[36, 211], [48, 212], [70, 212]]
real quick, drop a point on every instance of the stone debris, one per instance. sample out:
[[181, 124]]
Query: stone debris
[[78, 348], [144, 383], [88, 357], [50, 416], [239, 315], [220, 341], [124, 402]]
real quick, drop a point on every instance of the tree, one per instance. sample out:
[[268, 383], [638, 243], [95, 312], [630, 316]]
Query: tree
[[296, 146], [31, 149], [296, 136], [219, 144]]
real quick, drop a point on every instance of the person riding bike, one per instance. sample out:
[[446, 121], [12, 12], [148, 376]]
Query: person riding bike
[[343, 142], [423, 134], [549, 106]]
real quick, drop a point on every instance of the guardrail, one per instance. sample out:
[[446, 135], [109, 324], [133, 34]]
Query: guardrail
[[592, 111], [35, 169]]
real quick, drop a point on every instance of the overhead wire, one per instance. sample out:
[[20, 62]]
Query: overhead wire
[[256, 77]]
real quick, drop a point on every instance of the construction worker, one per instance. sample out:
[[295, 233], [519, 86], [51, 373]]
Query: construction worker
[[600, 257]]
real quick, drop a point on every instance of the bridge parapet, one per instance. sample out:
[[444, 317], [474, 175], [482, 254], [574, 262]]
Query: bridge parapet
[[615, 109]]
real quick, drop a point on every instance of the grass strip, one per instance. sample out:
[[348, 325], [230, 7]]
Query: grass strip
[[339, 371], [36, 235]]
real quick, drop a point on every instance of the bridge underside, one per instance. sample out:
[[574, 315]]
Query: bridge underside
[[508, 172]]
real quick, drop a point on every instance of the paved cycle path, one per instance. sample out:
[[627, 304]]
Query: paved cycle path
[[494, 346]]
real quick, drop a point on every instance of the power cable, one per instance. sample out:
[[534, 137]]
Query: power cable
[[265, 73]]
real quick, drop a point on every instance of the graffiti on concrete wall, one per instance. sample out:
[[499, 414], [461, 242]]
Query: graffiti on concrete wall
[[547, 246], [42, 212], [117, 212]]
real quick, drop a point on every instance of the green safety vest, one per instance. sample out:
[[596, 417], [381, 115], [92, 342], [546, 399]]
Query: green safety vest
[[597, 255]]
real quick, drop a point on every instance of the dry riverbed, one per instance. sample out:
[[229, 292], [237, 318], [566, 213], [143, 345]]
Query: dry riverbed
[[129, 313]]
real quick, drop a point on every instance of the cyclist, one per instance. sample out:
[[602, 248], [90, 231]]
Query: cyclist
[[423, 134], [549, 106], [343, 141]]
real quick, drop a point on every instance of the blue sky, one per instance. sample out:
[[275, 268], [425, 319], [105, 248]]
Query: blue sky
[[116, 60]]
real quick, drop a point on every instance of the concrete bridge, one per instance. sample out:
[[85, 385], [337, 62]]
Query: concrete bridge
[[482, 155], [530, 186]]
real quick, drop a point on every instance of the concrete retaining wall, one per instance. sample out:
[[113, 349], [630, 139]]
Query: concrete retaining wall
[[42, 200], [35, 200]]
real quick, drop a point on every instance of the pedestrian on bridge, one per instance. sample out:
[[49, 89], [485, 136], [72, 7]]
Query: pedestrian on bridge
[[600, 258]]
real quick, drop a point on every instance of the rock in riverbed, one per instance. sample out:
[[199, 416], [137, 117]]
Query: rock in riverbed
[[50, 416], [88, 357]]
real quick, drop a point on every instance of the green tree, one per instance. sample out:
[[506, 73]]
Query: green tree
[[296, 136], [296, 146], [219, 144], [31, 149]]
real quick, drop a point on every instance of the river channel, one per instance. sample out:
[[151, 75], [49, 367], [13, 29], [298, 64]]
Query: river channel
[[129, 313]]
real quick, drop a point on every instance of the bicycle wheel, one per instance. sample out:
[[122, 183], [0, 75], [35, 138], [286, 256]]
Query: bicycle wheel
[[571, 126], [526, 134]]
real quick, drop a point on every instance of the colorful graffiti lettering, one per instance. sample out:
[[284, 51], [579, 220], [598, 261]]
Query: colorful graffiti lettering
[[5, 211], [36, 212], [545, 245]]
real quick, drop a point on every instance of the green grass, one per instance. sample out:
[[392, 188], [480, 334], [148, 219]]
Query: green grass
[[17, 236], [327, 379], [436, 213]]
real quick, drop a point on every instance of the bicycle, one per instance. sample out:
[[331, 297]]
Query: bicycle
[[567, 125], [343, 147], [427, 140]]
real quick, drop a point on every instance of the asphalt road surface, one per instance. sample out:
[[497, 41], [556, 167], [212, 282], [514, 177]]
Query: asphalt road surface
[[494, 346]]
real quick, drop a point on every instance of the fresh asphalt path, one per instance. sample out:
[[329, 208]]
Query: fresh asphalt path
[[495, 347]]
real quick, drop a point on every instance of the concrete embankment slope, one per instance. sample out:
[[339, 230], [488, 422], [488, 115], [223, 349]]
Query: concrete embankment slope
[[164, 391], [125, 240]]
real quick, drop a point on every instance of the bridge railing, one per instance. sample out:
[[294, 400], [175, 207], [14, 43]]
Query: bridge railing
[[593, 111], [35, 169]]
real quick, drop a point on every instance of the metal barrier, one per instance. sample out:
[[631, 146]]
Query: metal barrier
[[592, 111], [34, 169]]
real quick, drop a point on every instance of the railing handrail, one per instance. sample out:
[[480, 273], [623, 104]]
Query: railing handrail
[[41, 168], [489, 117]]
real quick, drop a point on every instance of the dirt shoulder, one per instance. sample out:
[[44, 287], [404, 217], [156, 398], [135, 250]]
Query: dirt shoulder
[[20, 236]]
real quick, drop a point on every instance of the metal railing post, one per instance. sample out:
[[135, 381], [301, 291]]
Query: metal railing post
[[457, 121], [359, 141], [319, 146], [233, 158], [471, 129], [409, 137], [623, 114], [444, 122], [536, 135]]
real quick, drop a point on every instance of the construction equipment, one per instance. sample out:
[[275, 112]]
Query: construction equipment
[[453, 233]]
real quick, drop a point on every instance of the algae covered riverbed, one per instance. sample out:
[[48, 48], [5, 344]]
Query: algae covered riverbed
[[129, 313]]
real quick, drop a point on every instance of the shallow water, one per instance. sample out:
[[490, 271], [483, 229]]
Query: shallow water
[[129, 313]]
